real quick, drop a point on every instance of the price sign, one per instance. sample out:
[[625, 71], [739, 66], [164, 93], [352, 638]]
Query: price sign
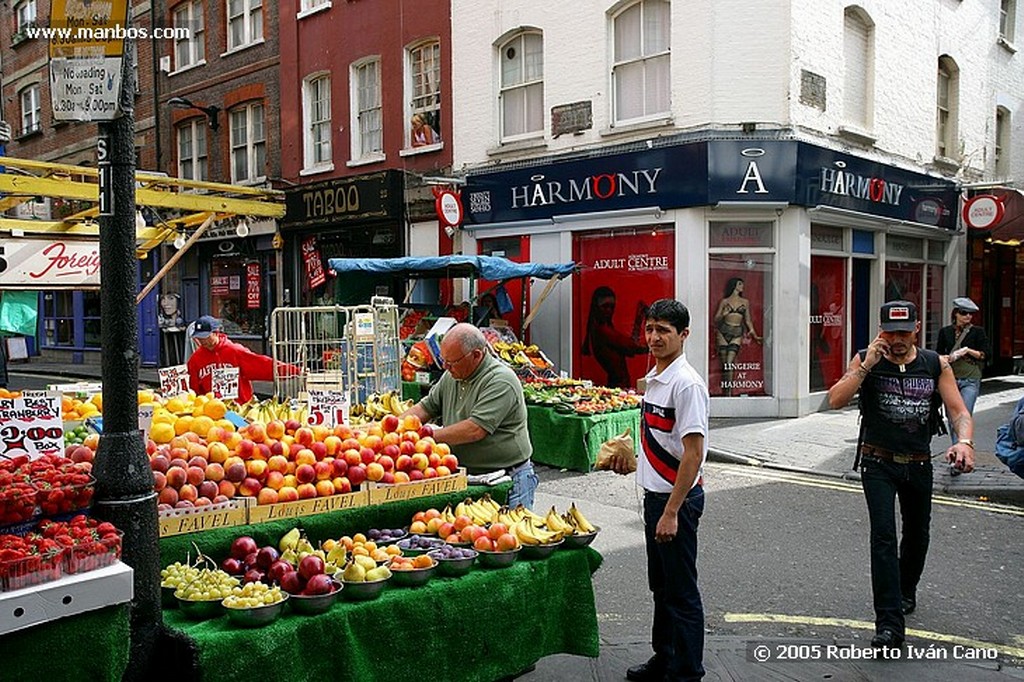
[[173, 380], [328, 408], [225, 383], [145, 420], [31, 425], [423, 378], [81, 389]]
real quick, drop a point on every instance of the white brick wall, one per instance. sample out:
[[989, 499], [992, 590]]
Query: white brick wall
[[735, 61]]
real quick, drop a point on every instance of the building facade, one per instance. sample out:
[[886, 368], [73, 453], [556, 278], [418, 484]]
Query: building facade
[[783, 174]]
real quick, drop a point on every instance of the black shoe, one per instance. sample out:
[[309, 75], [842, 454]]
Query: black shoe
[[651, 671], [907, 605], [953, 471], [887, 639]]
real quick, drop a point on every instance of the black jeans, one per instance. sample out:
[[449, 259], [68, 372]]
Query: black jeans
[[895, 575], [677, 635]]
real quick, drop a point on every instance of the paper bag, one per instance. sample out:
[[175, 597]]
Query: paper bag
[[621, 445]]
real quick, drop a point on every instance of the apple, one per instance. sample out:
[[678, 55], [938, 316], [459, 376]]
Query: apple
[[310, 566], [278, 569], [253, 575], [266, 556], [232, 566], [250, 560], [319, 584], [292, 582], [243, 546], [389, 423]]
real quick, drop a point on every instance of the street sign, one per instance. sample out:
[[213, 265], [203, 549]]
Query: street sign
[[86, 50]]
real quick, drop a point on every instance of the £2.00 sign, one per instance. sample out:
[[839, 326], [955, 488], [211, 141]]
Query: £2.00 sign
[[31, 425]]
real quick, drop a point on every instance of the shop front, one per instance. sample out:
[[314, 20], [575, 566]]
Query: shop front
[[354, 217], [782, 251]]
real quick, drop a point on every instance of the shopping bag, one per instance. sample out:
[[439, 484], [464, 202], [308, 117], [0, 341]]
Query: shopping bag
[[19, 312], [1010, 452], [621, 445]]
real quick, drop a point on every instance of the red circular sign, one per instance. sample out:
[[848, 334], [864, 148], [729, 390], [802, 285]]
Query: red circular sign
[[983, 211], [449, 207]]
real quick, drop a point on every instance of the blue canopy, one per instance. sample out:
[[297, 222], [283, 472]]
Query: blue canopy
[[486, 267]]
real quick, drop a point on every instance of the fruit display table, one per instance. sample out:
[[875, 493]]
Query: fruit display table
[[571, 441]]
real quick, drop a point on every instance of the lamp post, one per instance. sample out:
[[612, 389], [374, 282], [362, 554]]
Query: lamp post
[[212, 112]]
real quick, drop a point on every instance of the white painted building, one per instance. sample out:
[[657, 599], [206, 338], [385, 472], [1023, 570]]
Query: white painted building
[[814, 147]]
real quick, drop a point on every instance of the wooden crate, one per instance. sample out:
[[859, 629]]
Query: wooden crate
[[315, 505], [382, 492], [223, 515]]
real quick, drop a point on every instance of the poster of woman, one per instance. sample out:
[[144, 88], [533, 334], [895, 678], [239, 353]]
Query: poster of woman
[[737, 328]]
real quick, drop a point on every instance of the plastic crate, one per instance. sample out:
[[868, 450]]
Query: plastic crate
[[31, 570], [89, 557], [17, 504], [64, 499]]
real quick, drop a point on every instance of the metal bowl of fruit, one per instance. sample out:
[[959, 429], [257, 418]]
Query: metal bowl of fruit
[[578, 540], [386, 536], [200, 609], [541, 551], [409, 575], [497, 559], [363, 591], [256, 616], [313, 604], [453, 561], [414, 545]]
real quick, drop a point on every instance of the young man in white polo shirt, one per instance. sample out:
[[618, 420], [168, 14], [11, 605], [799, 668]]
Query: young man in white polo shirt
[[674, 439]]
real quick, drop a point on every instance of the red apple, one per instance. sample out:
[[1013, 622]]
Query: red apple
[[243, 546], [278, 569], [232, 566], [265, 557], [319, 584], [292, 582], [310, 566]]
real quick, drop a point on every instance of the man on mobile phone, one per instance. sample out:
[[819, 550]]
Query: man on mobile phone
[[898, 382]]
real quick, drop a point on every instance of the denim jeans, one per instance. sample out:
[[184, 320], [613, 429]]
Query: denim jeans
[[895, 575], [969, 390], [524, 485], [677, 635]]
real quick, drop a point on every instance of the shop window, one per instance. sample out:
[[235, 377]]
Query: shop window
[[739, 311], [522, 85], [232, 303], [424, 68], [934, 304], [59, 318], [828, 321], [640, 74]]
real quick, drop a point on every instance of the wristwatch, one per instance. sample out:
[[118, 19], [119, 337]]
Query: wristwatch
[[967, 441]]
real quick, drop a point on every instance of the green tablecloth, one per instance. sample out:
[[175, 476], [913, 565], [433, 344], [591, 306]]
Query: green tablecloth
[[484, 625], [570, 441], [89, 646], [412, 390]]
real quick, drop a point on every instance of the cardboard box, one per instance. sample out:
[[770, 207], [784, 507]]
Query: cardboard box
[[381, 493], [315, 505], [68, 596], [222, 515]]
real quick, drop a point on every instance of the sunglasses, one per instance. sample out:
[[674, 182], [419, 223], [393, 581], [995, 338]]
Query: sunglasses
[[961, 311]]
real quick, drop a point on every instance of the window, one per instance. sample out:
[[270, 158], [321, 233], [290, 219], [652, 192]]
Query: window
[[946, 108], [192, 150], [245, 22], [858, 36], [248, 144], [425, 91], [31, 110], [367, 135], [1007, 19], [25, 14], [307, 5], [190, 49], [316, 107], [1002, 156], [59, 318], [640, 74], [522, 85]]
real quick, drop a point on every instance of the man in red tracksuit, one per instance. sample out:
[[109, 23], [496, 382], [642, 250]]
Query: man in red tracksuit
[[215, 350]]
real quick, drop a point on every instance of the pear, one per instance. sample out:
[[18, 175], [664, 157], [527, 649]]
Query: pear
[[379, 573], [304, 545], [366, 562], [337, 555], [290, 540], [354, 573], [290, 556]]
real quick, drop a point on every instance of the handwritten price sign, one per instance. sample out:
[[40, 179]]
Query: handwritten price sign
[[173, 380], [328, 408], [225, 383], [31, 425]]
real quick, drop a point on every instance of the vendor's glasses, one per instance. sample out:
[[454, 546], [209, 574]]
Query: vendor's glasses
[[452, 363]]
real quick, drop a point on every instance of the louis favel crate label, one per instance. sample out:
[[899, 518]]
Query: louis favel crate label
[[381, 493], [198, 522], [316, 505]]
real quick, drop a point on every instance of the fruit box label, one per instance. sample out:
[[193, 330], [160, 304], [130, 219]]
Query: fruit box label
[[195, 523], [318, 505], [408, 491]]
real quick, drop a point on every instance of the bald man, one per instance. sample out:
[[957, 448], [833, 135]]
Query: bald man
[[479, 402]]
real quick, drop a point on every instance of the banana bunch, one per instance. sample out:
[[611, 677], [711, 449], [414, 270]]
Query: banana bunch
[[578, 521], [272, 409], [378, 406], [482, 511], [557, 524], [520, 512], [532, 534]]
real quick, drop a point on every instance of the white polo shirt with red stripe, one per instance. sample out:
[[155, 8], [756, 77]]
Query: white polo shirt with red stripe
[[675, 404]]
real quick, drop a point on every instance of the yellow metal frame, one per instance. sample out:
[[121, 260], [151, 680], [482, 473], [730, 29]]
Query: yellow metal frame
[[197, 201]]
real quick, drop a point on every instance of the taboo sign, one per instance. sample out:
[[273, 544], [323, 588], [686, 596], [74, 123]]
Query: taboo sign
[[50, 264]]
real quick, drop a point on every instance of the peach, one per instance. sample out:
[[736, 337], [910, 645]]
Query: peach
[[401, 477], [280, 448], [374, 443], [367, 455], [216, 434], [209, 489], [262, 452], [324, 488], [403, 463], [250, 487], [506, 542], [287, 494], [187, 492], [342, 431], [342, 485], [450, 461], [202, 501], [168, 496], [267, 496], [307, 491], [305, 473], [235, 473], [356, 474], [483, 543], [434, 459], [219, 452], [196, 474], [290, 479], [415, 474], [333, 445], [160, 463], [462, 521], [275, 429], [352, 456], [305, 456], [411, 422], [227, 489], [278, 463], [442, 449], [245, 448], [445, 529], [390, 423], [257, 433], [324, 471], [320, 432], [430, 472], [159, 481], [443, 471], [275, 480], [386, 463], [177, 477], [420, 461], [374, 471], [496, 530], [319, 450], [304, 436], [256, 468], [424, 446], [433, 525]]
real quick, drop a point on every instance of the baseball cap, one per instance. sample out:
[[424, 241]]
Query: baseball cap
[[899, 316], [964, 303], [204, 326]]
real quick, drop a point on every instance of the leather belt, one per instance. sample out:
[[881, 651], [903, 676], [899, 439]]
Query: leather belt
[[890, 456]]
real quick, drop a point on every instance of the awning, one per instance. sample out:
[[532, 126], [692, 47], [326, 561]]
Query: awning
[[487, 267], [1011, 227]]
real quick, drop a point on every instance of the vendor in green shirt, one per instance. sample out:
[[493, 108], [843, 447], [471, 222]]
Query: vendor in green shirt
[[479, 402]]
